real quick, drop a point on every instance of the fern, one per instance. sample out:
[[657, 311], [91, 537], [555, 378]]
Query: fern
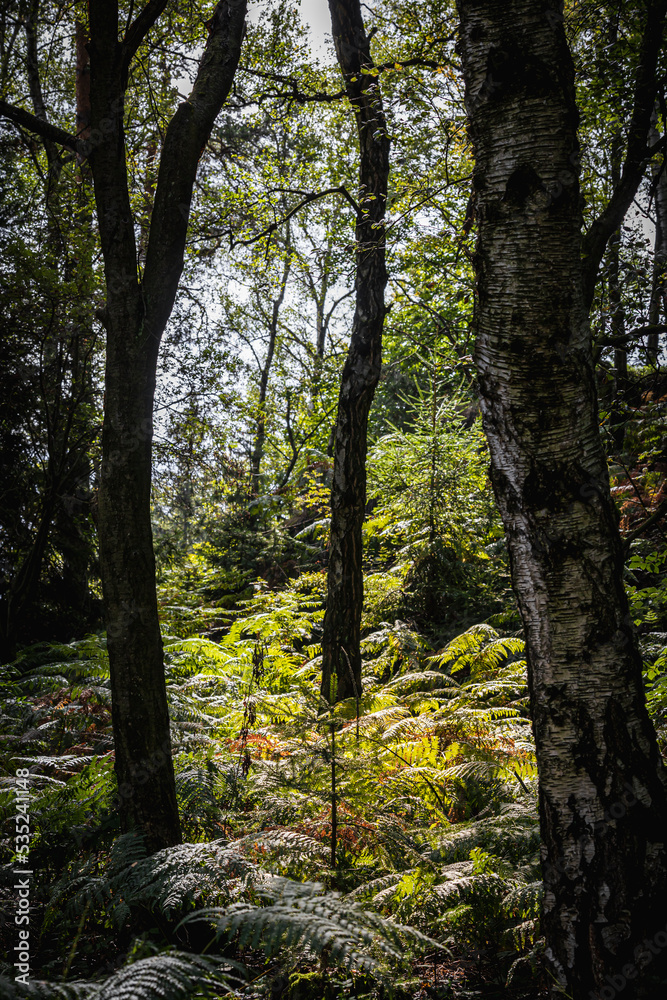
[[168, 881], [168, 976], [301, 915]]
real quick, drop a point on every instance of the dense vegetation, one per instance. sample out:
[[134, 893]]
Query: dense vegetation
[[418, 804], [387, 845]]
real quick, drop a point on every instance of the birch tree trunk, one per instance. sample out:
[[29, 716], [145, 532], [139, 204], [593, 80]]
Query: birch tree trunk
[[340, 644], [603, 792]]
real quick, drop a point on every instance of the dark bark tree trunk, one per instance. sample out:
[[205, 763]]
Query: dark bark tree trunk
[[135, 317], [136, 314], [658, 306], [603, 792], [340, 646]]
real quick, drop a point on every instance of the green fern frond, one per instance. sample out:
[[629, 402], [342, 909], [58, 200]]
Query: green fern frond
[[174, 976], [67, 763], [178, 876], [297, 845], [301, 915], [524, 898], [40, 990], [375, 886], [168, 976]]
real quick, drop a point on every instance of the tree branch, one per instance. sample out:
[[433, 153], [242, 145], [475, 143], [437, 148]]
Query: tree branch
[[138, 30], [51, 133], [637, 154], [323, 96], [53, 154], [640, 331], [295, 94], [185, 139], [306, 201], [645, 525]]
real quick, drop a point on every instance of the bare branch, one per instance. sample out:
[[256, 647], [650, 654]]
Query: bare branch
[[51, 133], [139, 28], [645, 525], [314, 196], [294, 94], [637, 154]]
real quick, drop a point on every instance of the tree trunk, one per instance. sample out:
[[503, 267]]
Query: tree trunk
[[616, 309], [260, 430], [658, 306], [340, 645], [603, 796], [24, 585], [136, 315]]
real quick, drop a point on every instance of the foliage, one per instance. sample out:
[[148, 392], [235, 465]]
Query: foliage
[[441, 736], [435, 780], [433, 514]]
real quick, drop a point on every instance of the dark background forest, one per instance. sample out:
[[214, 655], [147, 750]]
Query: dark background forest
[[385, 843]]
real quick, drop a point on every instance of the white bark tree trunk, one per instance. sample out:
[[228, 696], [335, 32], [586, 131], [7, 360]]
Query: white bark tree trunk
[[603, 798]]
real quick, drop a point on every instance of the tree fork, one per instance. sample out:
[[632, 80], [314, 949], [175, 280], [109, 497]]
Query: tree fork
[[603, 791], [136, 315], [362, 367]]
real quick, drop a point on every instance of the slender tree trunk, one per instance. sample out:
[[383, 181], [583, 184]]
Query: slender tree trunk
[[603, 797], [341, 654], [658, 306], [616, 309], [260, 430], [617, 326]]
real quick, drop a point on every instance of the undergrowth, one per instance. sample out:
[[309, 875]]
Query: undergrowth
[[432, 880], [436, 850]]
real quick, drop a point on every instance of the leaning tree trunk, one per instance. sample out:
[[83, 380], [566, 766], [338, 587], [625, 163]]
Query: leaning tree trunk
[[340, 645], [603, 797]]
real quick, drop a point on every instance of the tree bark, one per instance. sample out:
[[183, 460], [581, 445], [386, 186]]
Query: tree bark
[[616, 309], [340, 645], [136, 313], [603, 791]]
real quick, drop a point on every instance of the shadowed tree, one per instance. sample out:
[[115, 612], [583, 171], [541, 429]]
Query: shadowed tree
[[603, 791], [340, 644], [138, 306]]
